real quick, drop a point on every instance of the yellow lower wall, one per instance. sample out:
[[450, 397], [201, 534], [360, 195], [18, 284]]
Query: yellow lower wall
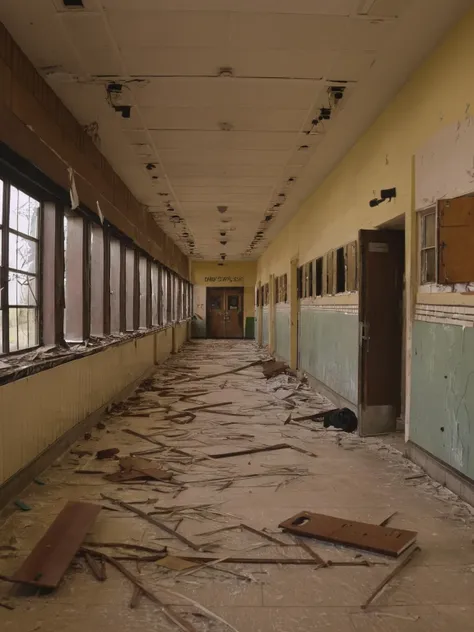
[[38, 410]]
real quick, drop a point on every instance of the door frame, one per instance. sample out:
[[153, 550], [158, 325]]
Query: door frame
[[225, 289], [375, 419]]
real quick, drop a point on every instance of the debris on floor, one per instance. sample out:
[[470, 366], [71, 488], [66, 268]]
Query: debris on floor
[[208, 458], [370, 537]]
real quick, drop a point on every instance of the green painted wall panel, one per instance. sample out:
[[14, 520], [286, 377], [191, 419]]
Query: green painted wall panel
[[282, 332], [329, 349], [265, 326], [442, 393]]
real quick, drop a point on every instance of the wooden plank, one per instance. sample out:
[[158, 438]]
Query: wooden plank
[[362, 535], [49, 560], [456, 240]]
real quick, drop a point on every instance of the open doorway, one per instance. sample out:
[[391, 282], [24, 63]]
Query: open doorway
[[381, 327], [224, 312]]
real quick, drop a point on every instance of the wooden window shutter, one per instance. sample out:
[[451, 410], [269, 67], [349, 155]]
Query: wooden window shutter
[[456, 240]]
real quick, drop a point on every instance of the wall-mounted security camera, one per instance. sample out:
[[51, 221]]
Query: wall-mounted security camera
[[388, 194], [385, 195]]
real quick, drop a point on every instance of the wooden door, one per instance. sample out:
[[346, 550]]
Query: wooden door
[[381, 259], [215, 310], [234, 318], [225, 312]]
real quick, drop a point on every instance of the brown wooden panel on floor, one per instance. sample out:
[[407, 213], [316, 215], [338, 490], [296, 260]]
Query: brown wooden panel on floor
[[362, 535], [51, 557]]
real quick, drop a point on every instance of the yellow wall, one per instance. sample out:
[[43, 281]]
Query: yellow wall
[[231, 274], [37, 410], [438, 94]]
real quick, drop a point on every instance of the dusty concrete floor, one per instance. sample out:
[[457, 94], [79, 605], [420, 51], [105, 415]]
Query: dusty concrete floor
[[351, 478]]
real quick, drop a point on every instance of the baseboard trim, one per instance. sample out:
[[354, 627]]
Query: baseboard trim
[[441, 472], [24, 477], [338, 400]]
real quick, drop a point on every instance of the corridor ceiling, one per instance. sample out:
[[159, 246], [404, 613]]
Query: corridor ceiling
[[220, 144]]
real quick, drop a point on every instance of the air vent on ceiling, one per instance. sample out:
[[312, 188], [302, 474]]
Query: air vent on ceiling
[[73, 3]]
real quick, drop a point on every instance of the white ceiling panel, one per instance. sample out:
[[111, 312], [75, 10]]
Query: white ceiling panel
[[208, 118], [323, 7], [225, 181], [229, 92], [389, 8], [160, 61], [209, 157], [191, 139], [172, 29], [236, 171], [307, 32]]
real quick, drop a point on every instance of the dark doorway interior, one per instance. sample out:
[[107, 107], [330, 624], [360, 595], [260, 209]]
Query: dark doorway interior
[[381, 298]]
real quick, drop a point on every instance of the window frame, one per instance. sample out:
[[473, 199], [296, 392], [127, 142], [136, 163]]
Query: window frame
[[6, 230], [432, 210]]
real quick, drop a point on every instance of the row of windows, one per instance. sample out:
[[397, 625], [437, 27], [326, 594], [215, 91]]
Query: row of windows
[[333, 273], [65, 277], [281, 289]]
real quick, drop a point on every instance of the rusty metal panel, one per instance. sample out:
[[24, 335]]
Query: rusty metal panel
[[456, 240], [362, 535]]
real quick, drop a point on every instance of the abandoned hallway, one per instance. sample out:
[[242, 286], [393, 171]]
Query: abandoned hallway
[[322, 470]]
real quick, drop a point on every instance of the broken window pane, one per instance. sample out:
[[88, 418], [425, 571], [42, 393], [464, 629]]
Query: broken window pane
[[22, 253], [22, 289], [24, 213]]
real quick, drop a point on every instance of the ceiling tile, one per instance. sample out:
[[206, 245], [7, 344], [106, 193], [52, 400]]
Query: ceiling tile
[[228, 92], [232, 140], [172, 29], [208, 118], [328, 7], [315, 33], [220, 158]]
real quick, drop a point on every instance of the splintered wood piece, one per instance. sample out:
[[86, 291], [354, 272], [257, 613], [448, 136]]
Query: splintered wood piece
[[236, 370], [167, 610], [310, 552], [155, 522], [390, 576], [268, 448], [264, 535], [95, 567], [362, 535], [52, 555]]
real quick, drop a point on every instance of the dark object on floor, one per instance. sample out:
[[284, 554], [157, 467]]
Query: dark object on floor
[[51, 557], [21, 505], [272, 368], [362, 535], [107, 453], [340, 418], [391, 575]]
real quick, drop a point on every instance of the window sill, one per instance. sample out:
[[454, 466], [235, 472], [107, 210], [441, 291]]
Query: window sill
[[48, 357]]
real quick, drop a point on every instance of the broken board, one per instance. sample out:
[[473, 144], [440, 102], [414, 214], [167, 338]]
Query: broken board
[[52, 555], [362, 535]]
